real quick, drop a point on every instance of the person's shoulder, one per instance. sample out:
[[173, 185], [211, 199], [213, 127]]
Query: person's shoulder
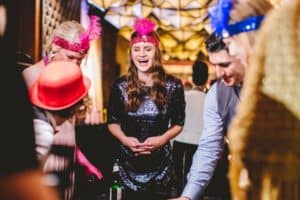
[[120, 81], [37, 66], [31, 73], [222, 89], [197, 91], [173, 80], [213, 89]]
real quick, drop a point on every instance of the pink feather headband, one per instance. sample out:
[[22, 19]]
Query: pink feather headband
[[143, 27], [91, 33]]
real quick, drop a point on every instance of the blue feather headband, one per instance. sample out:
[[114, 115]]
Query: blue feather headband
[[220, 15]]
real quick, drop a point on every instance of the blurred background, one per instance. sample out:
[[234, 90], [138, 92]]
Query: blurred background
[[182, 25]]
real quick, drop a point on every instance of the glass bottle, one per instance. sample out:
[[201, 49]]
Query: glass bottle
[[115, 190]]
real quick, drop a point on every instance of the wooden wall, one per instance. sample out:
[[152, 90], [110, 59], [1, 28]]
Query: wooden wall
[[38, 19]]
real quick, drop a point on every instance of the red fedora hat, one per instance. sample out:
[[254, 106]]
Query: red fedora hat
[[59, 86]]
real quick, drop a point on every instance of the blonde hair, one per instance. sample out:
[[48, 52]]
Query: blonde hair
[[247, 8], [243, 9], [68, 30], [264, 134]]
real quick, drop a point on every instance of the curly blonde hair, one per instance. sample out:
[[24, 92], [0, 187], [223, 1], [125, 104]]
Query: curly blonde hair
[[243, 9], [68, 30], [264, 135]]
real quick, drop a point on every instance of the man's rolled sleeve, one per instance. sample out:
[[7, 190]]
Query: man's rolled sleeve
[[209, 149]]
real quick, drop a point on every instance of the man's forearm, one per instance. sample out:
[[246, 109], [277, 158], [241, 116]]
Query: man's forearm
[[204, 163]]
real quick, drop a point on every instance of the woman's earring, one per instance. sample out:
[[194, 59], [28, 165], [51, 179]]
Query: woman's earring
[[51, 55]]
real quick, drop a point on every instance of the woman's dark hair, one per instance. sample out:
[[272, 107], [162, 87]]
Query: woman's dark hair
[[214, 43], [200, 73], [135, 88]]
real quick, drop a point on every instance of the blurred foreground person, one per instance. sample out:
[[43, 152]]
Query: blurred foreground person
[[265, 133], [20, 176], [69, 42], [57, 94]]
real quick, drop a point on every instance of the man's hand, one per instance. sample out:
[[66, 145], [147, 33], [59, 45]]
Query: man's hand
[[181, 198]]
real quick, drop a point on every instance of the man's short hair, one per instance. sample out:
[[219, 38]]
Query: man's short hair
[[214, 43]]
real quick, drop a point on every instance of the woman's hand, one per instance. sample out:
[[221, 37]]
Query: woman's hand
[[132, 143], [153, 143]]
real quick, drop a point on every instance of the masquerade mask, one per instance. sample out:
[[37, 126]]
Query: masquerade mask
[[143, 27], [91, 33], [220, 14]]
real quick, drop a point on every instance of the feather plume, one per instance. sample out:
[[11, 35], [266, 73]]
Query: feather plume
[[143, 26], [219, 15], [94, 28], [93, 31]]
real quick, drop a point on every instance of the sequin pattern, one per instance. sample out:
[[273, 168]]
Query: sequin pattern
[[139, 173]]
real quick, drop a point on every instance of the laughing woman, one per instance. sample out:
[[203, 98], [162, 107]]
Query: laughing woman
[[146, 110]]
